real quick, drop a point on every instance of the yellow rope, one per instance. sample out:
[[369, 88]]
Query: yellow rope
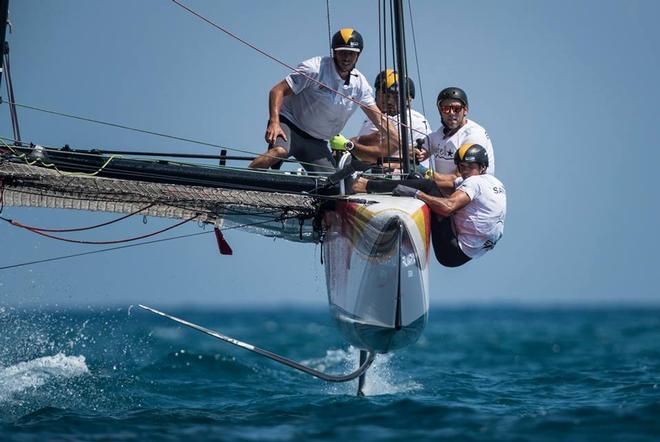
[[53, 166]]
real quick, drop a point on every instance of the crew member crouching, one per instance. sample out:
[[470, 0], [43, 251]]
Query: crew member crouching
[[467, 223]]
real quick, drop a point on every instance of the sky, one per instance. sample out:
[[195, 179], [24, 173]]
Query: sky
[[566, 89]]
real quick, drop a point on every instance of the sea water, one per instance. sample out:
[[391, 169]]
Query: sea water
[[477, 374]]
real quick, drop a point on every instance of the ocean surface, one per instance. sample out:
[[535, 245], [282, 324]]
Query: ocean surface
[[477, 374]]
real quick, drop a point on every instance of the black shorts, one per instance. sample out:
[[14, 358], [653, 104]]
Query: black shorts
[[443, 233], [312, 153]]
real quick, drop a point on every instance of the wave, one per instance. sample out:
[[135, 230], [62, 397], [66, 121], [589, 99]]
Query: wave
[[37, 372]]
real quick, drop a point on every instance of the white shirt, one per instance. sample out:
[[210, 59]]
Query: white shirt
[[317, 110], [480, 224], [443, 149], [418, 122]]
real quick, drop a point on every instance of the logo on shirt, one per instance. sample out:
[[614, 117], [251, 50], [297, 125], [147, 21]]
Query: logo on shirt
[[445, 152]]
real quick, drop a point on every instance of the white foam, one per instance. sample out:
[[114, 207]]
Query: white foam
[[37, 372], [380, 378]]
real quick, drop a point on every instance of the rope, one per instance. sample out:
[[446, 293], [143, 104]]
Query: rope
[[3, 141], [78, 241], [110, 249], [121, 126], [264, 53], [81, 229], [22, 156], [144, 131]]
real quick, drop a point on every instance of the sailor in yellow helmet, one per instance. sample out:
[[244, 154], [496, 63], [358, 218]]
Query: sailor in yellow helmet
[[370, 146], [304, 114], [467, 223]]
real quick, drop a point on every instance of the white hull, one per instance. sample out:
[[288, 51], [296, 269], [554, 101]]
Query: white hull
[[376, 265]]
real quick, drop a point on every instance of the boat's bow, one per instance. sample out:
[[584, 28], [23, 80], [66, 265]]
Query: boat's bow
[[376, 260]]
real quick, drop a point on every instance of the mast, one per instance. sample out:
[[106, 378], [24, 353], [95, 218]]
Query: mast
[[400, 38]]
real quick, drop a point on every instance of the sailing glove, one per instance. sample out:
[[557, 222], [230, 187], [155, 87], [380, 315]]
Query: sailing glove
[[402, 190], [341, 143]]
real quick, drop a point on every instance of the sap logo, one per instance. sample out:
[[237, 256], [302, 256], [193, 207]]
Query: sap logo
[[498, 189]]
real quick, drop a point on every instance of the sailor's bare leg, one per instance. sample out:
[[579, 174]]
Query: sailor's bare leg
[[271, 157]]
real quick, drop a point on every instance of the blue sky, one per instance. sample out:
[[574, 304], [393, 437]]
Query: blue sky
[[567, 90]]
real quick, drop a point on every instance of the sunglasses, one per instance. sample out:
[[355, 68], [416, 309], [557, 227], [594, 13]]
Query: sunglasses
[[454, 107]]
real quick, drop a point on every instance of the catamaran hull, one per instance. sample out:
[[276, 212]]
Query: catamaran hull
[[376, 264]]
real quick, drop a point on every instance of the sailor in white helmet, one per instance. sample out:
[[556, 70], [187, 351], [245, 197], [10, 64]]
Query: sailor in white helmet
[[369, 144], [304, 114], [456, 131]]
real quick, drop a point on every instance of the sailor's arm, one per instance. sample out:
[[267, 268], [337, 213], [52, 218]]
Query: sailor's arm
[[445, 206], [277, 94], [367, 148], [386, 126], [444, 182]]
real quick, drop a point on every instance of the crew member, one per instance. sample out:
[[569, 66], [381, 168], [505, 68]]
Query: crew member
[[470, 221], [304, 114], [456, 131], [369, 145]]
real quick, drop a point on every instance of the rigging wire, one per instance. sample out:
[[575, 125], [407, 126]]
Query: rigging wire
[[266, 54], [396, 69], [3, 140], [121, 126], [419, 72], [327, 11], [126, 246], [383, 37], [149, 132], [380, 40], [13, 103], [408, 109], [144, 131]]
